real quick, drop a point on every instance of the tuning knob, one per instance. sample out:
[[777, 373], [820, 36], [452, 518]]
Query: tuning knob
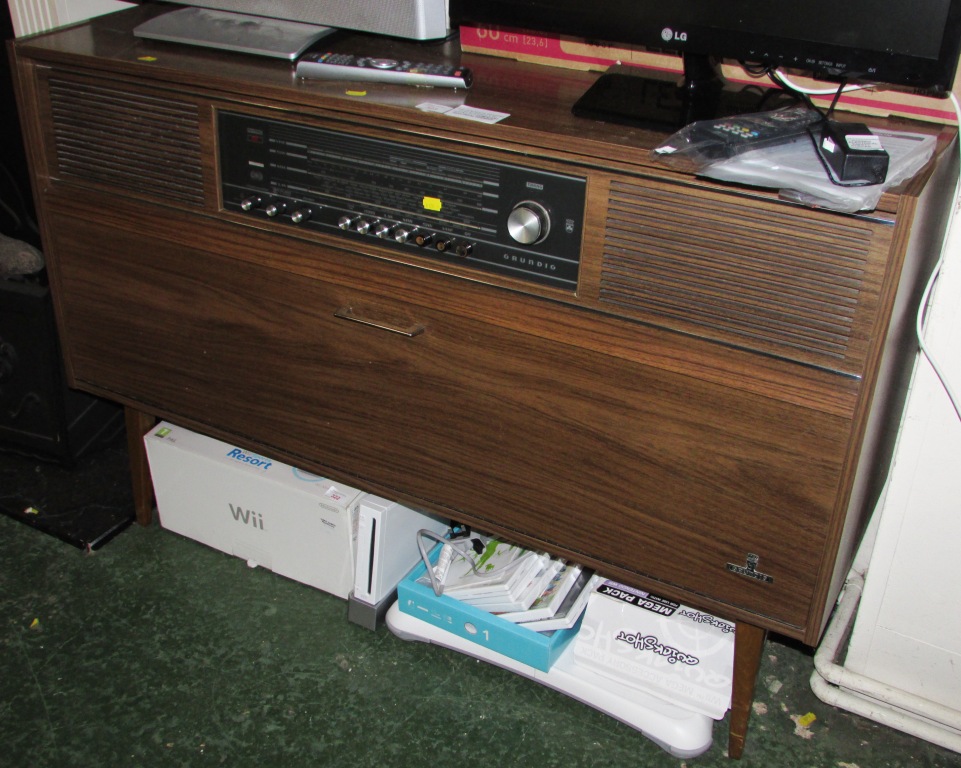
[[301, 215], [249, 203], [529, 223], [404, 234], [275, 208], [382, 229]]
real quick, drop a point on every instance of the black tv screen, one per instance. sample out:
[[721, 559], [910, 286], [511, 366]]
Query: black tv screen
[[912, 43]]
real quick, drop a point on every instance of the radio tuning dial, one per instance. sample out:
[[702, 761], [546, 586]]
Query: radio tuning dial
[[381, 229], [249, 203], [529, 223], [346, 222]]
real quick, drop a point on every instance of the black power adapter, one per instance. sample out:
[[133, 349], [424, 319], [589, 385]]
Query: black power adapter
[[851, 154]]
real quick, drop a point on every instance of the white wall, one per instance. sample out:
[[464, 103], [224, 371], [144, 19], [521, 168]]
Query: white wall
[[30, 16], [908, 628]]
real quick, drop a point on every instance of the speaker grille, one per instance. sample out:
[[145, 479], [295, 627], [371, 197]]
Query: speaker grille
[[128, 140], [763, 277]]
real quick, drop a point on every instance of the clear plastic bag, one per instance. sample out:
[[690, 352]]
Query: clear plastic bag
[[706, 142], [789, 161]]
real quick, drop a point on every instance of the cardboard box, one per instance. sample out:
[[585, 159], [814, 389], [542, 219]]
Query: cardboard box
[[271, 514], [572, 53], [669, 650], [535, 649]]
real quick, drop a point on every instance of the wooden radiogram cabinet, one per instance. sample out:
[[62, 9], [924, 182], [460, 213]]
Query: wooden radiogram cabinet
[[698, 401]]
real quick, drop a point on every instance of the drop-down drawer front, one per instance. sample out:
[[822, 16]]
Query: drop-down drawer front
[[634, 468]]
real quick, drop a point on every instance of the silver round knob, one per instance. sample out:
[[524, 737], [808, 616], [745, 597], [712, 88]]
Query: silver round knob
[[382, 229], [275, 208], [529, 223], [403, 234], [363, 226], [301, 215]]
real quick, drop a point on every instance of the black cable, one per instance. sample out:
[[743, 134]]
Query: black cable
[[836, 98]]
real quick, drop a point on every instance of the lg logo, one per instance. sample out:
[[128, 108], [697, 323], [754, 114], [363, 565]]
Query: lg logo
[[668, 35]]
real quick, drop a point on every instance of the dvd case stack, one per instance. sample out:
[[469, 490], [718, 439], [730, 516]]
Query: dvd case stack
[[518, 585]]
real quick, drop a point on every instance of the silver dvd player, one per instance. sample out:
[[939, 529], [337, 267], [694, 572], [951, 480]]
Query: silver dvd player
[[258, 35]]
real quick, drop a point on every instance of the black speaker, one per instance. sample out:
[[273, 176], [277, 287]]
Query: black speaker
[[39, 415]]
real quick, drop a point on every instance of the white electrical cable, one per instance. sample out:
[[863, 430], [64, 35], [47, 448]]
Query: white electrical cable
[[925, 350], [818, 91], [920, 326]]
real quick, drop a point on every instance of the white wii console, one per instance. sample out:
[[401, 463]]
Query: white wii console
[[386, 551]]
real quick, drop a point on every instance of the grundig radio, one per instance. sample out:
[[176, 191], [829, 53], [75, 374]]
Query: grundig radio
[[493, 216], [692, 388]]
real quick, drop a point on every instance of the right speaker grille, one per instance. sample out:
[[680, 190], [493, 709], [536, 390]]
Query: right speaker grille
[[760, 276]]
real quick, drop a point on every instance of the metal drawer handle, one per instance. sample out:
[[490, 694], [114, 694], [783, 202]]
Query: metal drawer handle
[[347, 313]]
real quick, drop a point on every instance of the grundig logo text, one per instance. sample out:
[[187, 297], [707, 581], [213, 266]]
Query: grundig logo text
[[529, 262], [652, 644]]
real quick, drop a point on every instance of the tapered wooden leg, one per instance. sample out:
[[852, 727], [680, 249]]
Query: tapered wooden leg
[[143, 499], [748, 646]]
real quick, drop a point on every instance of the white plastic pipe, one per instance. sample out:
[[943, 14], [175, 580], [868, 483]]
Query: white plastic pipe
[[839, 687]]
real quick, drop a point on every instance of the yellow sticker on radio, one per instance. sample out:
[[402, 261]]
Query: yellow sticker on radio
[[432, 203]]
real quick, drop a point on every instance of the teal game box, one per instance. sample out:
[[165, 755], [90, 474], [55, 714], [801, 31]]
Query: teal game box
[[536, 649]]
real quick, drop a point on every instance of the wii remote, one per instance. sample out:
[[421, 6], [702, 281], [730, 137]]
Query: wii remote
[[344, 66]]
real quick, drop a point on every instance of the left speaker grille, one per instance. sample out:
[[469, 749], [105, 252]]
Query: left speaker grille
[[125, 139]]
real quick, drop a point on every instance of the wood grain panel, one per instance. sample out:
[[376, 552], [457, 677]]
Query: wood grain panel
[[763, 277], [659, 474]]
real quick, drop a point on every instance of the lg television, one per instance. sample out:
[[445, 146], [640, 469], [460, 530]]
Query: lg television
[[897, 43]]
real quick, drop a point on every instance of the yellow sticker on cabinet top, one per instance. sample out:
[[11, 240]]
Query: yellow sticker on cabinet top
[[432, 203]]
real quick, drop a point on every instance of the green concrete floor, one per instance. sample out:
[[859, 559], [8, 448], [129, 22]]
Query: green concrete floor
[[156, 651]]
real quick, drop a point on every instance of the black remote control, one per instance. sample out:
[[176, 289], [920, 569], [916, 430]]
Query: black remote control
[[344, 66]]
